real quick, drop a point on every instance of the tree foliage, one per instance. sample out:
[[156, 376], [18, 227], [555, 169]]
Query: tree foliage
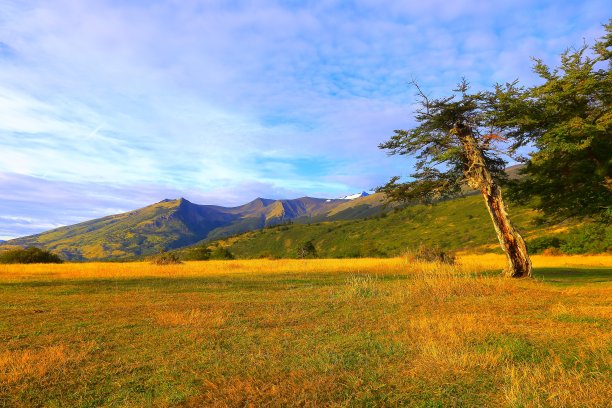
[[441, 161], [568, 119]]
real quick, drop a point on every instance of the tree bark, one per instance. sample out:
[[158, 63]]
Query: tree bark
[[479, 177]]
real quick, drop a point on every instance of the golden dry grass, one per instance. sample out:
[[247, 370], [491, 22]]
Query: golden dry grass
[[356, 332], [102, 270], [16, 365]]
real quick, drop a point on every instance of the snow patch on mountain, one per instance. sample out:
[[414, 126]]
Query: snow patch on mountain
[[354, 196]]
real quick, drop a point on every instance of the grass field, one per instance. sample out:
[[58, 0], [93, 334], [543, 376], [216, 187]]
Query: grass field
[[351, 332]]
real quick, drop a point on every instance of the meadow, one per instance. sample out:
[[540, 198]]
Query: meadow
[[321, 332]]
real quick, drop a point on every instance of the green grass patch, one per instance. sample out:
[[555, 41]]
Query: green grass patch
[[573, 276]]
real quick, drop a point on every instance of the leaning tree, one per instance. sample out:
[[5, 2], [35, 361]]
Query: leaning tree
[[458, 141]]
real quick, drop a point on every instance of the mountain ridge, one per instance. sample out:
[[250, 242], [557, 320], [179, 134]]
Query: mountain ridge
[[174, 223]]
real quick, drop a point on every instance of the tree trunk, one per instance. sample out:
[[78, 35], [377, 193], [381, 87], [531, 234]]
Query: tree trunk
[[479, 178]]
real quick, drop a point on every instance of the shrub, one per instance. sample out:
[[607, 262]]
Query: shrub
[[552, 252], [28, 256], [537, 245], [268, 255], [221, 253], [588, 239], [306, 250], [201, 253], [431, 254], [166, 258]]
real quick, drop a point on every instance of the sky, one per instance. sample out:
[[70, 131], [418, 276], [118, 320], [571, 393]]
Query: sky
[[111, 105]]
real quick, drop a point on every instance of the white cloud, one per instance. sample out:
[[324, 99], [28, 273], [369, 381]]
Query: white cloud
[[228, 100]]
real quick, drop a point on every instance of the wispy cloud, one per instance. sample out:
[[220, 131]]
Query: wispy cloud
[[226, 101]]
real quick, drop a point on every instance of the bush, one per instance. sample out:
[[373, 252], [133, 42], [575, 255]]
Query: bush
[[166, 258], [221, 253], [306, 250], [589, 239], [200, 253], [29, 256], [268, 255], [431, 254], [537, 245], [552, 252]]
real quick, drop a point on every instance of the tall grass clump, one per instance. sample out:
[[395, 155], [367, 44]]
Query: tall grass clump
[[441, 281], [364, 286]]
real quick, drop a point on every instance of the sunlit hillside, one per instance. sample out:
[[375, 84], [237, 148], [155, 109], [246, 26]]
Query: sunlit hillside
[[459, 224]]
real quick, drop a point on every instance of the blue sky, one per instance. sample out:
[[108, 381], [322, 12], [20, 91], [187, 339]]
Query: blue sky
[[107, 106]]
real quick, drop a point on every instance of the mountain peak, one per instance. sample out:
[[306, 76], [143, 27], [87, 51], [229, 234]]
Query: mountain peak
[[354, 196], [262, 201], [174, 202]]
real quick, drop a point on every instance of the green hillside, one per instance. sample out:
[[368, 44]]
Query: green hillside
[[459, 224]]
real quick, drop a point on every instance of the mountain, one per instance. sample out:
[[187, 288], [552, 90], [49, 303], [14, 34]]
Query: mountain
[[172, 224]]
